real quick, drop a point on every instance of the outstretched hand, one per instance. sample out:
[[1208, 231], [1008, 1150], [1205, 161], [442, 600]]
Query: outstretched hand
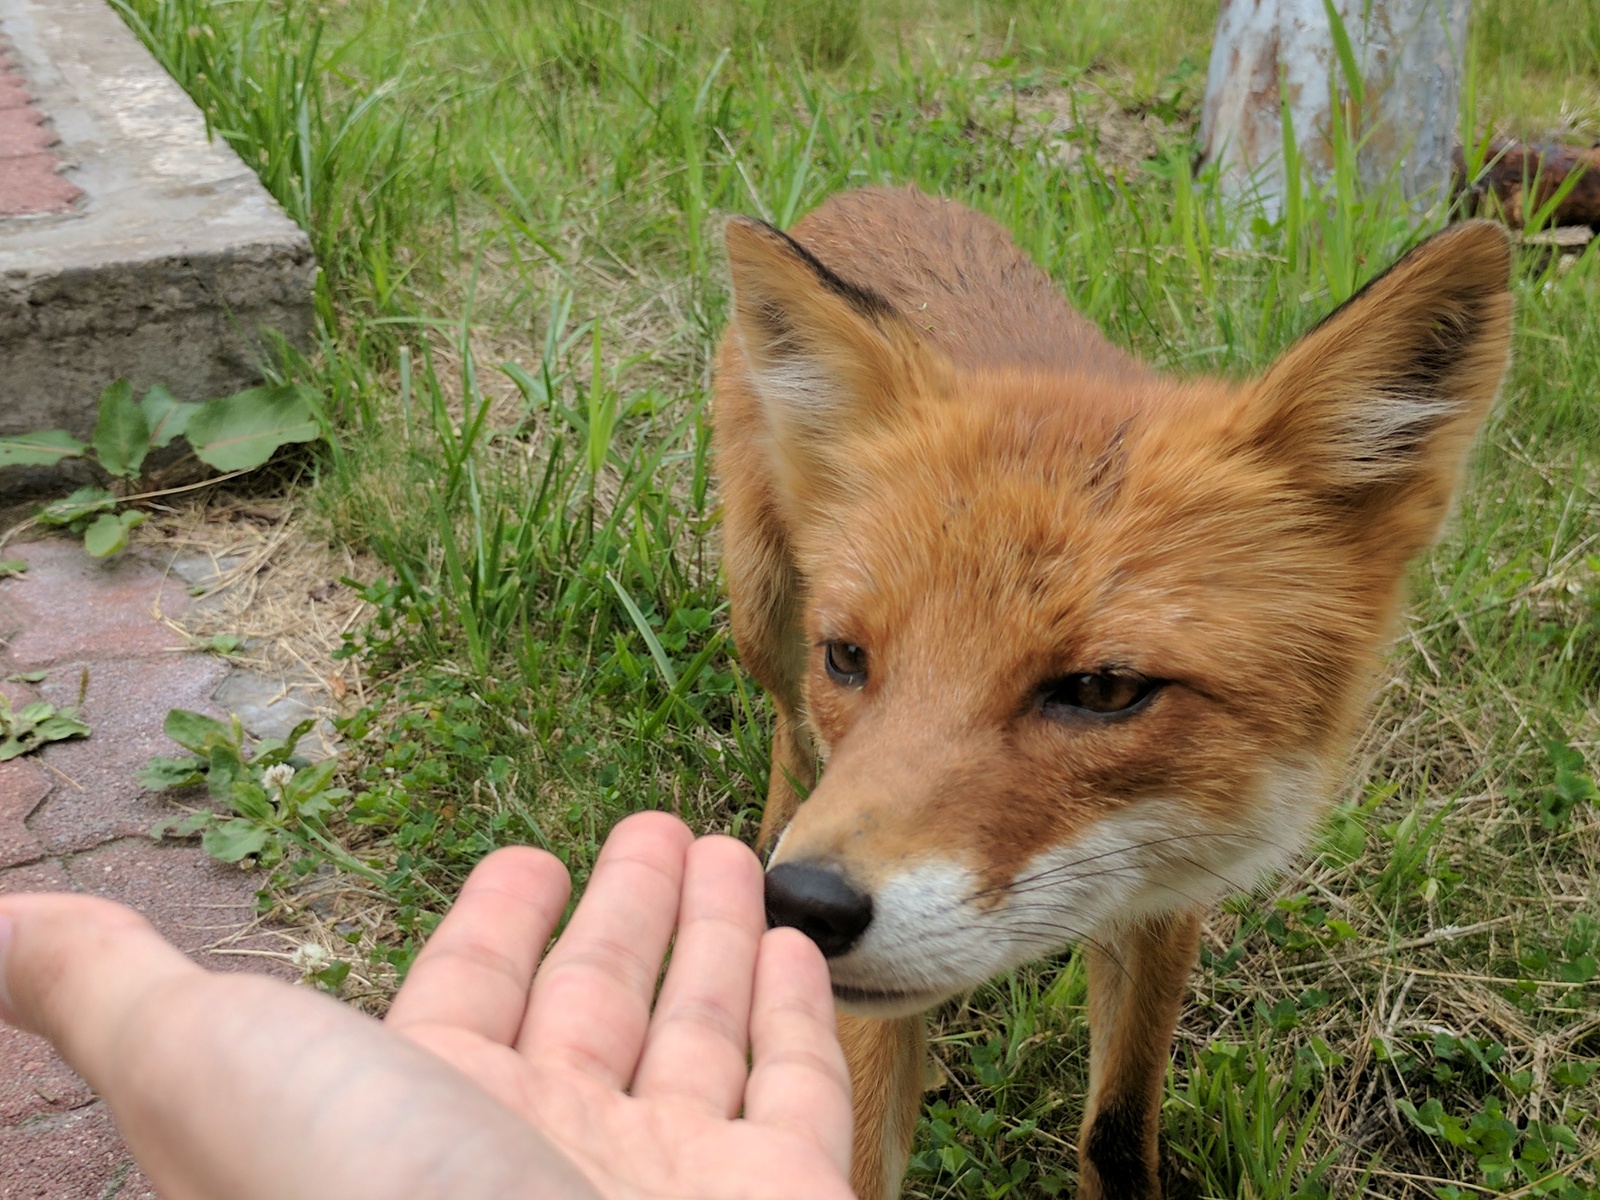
[[495, 1075], [644, 1102]]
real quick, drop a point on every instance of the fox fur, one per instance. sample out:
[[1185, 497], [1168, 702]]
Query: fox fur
[[1116, 630]]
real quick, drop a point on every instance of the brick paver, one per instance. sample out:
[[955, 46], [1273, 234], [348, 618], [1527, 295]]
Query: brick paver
[[72, 818], [30, 182]]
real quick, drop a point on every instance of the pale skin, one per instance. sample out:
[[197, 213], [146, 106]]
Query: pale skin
[[495, 1074]]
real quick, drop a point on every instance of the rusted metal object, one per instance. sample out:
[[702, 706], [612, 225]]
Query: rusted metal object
[[1518, 179], [1275, 56]]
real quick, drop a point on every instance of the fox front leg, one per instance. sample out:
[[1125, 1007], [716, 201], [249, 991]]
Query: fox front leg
[[1136, 992], [888, 1070]]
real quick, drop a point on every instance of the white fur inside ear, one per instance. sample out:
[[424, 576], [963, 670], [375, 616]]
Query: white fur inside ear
[[796, 389], [1381, 433]]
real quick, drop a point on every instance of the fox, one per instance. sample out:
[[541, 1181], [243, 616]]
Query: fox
[[1061, 648]]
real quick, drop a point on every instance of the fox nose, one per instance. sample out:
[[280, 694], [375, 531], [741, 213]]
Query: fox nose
[[817, 900]]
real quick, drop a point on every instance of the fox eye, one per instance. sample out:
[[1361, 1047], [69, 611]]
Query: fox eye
[[1097, 694], [846, 663]]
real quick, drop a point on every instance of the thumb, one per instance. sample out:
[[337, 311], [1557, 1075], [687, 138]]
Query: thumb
[[75, 968]]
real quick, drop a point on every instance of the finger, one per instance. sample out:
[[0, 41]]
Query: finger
[[695, 1052], [798, 1078], [475, 971], [591, 997]]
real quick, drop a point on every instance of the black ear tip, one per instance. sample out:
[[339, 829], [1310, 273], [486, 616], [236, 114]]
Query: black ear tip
[[739, 226]]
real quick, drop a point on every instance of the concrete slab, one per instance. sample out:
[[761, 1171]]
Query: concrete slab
[[268, 707], [169, 266]]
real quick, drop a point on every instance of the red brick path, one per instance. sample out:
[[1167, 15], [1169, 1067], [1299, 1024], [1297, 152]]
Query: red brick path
[[72, 818], [29, 182]]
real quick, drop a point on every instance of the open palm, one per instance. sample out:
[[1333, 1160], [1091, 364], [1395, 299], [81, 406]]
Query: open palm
[[647, 1104], [495, 1077]]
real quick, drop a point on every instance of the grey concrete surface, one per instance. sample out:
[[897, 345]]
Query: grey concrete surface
[[173, 262]]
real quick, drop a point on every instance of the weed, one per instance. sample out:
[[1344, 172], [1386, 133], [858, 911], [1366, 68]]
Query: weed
[[276, 798], [232, 433], [37, 724]]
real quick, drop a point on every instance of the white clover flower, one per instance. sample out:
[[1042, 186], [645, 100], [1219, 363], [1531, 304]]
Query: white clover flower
[[276, 777], [309, 958]]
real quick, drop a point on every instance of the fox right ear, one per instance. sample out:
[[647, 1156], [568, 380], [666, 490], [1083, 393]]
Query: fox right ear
[[827, 358], [1373, 411]]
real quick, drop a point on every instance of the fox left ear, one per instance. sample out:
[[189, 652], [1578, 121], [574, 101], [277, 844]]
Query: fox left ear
[[828, 360], [1374, 410]]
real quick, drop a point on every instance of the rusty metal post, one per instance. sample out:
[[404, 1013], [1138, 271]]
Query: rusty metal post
[[1272, 57]]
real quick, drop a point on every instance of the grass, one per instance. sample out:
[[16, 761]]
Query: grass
[[516, 211]]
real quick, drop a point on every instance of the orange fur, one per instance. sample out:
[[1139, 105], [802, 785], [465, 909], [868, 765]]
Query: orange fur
[[929, 461]]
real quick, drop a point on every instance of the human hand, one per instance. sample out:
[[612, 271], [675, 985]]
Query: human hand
[[645, 1103], [242, 1087]]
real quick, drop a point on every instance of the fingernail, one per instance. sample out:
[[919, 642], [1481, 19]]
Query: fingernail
[[7, 1014]]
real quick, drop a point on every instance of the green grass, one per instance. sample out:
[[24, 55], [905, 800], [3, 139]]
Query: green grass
[[516, 209]]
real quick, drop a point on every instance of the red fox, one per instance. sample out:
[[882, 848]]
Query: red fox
[[1060, 648]]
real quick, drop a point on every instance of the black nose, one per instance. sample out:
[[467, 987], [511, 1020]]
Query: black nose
[[818, 901]]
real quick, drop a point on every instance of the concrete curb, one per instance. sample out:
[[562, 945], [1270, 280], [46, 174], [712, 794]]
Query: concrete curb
[[171, 265]]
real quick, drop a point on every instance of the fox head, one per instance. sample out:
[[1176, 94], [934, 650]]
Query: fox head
[[1086, 643]]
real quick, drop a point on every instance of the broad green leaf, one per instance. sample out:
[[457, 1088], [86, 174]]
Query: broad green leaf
[[12, 566], [270, 753], [159, 774], [249, 799], [33, 725], [122, 436], [85, 502], [321, 804], [332, 975], [166, 416], [186, 826], [60, 727], [32, 714], [240, 432], [108, 533], [38, 449], [226, 766], [195, 731], [309, 782], [232, 840]]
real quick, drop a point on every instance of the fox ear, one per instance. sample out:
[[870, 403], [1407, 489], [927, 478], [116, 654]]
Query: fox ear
[[828, 359], [1374, 410]]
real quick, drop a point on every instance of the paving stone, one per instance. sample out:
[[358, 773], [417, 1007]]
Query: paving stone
[[23, 784], [68, 605], [75, 1156], [44, 876], [34, 1080], [194, 900], [125, 706], [135, 1186], [30, 184]]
